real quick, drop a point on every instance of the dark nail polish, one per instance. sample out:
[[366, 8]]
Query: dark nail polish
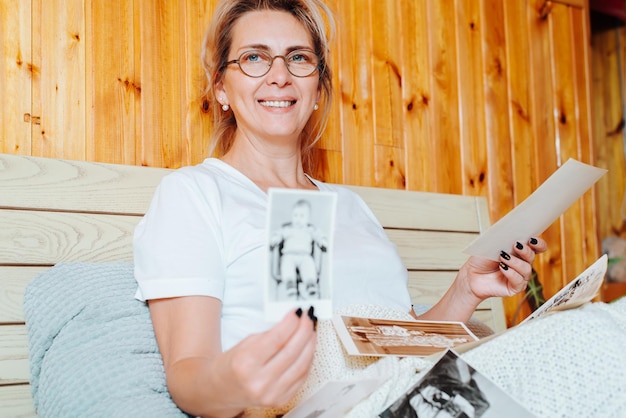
[[503, 266], [299, 312], [314, 323], [505, 255], [519, 245], [311, 312], [533, 241]]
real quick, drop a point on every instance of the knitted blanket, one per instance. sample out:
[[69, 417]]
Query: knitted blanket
[[92, 349]]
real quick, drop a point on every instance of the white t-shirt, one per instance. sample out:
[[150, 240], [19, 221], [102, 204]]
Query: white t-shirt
[[204, 234]]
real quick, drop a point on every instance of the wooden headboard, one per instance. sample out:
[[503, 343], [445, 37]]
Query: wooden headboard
[[59, 210]]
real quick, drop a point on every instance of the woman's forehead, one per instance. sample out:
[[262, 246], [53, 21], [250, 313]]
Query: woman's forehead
[[272, 30]]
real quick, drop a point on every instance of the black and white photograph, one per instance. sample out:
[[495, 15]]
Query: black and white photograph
[[452, 388], [300, 228]]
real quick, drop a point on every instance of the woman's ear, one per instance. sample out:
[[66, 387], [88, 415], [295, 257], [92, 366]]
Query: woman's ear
[[220, 93]]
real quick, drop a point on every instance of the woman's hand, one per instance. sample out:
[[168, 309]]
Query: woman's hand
[[263, 370], [487, 278], [267, 369], [480, 278]]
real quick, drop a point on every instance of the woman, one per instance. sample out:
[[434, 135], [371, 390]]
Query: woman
[[199, 249]]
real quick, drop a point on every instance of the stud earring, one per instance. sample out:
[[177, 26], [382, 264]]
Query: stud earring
[[316, 107], [225, 107]]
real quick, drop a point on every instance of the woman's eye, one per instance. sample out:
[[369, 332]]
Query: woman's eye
[[299, 57], [252, 57]]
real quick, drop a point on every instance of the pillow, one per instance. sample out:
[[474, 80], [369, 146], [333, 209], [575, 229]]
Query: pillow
[[92, 348]]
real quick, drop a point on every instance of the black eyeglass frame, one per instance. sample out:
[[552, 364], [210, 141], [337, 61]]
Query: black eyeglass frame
[[237, 61]]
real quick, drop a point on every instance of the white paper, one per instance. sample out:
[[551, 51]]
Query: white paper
[[538, 211]]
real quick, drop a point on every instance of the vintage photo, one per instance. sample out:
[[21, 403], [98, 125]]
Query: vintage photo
[[381, 337], [452, 388], [580, 290], [300, 229]]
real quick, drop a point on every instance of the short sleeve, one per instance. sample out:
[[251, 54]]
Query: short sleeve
[[177, 245]]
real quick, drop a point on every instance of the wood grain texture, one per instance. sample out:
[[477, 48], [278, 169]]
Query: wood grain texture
[[71, 185], [16, 72], [479, 97], [13, 282], [13, 355], [113, 83], [62, 86], [16, 401]]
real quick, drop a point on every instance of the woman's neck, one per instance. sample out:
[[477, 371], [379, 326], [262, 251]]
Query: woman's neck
[[276, 169]]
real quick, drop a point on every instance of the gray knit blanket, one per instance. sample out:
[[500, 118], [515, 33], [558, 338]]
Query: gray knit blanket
[[92, 348]]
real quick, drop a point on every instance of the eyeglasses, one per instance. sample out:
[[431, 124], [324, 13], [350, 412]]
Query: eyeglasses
[[255, 63]]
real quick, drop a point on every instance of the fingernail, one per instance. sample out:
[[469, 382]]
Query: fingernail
[[503, 266], [314, 323], [505, 255], [519, 245], [299, 312], [311, 312], [533, 241]]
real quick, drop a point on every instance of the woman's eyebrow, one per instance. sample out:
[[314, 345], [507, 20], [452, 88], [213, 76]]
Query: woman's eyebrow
[[263, 47]]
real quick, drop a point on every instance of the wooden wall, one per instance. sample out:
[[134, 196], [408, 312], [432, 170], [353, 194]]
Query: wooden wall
[[609, 75], [476, 97]]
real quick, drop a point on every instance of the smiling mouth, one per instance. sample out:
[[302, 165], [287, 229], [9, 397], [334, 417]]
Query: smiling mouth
[[277, 103]]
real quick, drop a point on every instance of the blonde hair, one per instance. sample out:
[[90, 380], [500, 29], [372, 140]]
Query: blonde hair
[[317, 19]]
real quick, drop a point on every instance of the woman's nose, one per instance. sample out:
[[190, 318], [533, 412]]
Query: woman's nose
[[278, 73]]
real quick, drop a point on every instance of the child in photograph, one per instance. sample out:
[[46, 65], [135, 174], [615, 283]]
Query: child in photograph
[[297, 241]]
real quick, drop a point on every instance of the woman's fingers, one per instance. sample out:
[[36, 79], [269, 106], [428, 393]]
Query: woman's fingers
[[272, 366], [517, 265]]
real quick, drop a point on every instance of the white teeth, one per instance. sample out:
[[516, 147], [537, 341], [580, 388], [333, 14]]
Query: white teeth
[[276, 103]]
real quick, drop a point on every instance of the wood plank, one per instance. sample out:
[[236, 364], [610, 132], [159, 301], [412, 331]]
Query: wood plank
[[16, 72], [416, 94], [423, 210], [355, 75], [470, 31], [497, 132], [431, 250], [61, 133], [16, 402], [568, 144], [518, 68], [162, 84], [30, 182], [46, 238], [198, 125], [113, 86], [14, 366], [580, 34], [447, 174], [387, 79], [13, 282]]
